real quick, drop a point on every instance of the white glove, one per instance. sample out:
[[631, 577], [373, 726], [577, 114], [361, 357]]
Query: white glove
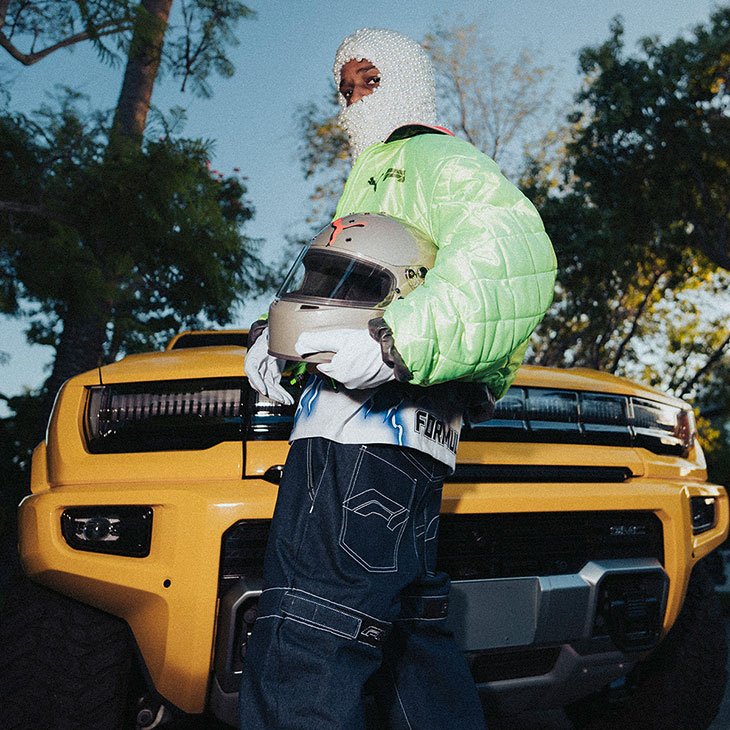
[[357, 362], [264, 371]]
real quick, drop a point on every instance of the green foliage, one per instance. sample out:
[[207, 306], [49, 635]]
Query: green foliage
[[714, 435], [16, 445], [137, 237], [654, 139], [19, 164], [639, 212], [152, 240]]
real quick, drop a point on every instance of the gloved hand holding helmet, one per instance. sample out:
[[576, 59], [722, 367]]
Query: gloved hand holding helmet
[[357, 361], [264, 371], [344, 279]]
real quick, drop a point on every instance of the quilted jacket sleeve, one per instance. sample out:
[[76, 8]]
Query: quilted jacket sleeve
[[490, 286]]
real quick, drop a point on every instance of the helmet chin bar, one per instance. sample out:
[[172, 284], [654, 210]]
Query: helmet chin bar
[[317, 357]]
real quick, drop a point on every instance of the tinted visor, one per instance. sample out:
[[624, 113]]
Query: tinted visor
[[328, 276]]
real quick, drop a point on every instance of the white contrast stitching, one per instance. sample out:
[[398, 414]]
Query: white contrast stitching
[[326, 600], [400, 529], [313, 492], [305, 619], [400, 701], [325, 628], [428, 529]]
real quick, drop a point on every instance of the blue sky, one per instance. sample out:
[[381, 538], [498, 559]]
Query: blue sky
[[284, 60]]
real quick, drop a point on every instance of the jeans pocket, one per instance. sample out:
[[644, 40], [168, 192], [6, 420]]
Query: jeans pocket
[[375, 513]]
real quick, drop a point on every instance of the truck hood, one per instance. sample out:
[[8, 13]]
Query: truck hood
[[227, 361]]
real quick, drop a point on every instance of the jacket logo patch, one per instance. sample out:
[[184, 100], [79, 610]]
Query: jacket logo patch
[[436, 430], [394, 172], [397, 174]]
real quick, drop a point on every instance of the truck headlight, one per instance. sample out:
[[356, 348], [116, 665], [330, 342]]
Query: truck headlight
[[543, 414], [114, 529], [663, 428], [169, 415]]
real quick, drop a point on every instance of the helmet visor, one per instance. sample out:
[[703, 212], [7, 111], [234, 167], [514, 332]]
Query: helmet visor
[[327, 276]]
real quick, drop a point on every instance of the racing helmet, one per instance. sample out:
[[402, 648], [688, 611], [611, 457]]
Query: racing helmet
[[346, 276]]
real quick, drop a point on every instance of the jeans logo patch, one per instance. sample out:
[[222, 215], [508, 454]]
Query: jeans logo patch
[[372, 635], [372, 502]]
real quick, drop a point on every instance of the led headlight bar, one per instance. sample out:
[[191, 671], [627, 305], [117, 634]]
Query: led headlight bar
[[164, 415], [197, 414], [542, 414]]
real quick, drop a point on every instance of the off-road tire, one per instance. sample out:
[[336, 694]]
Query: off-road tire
[[63, 665], [680, 686]]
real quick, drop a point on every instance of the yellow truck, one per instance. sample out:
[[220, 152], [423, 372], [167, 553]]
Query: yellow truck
[[574, 529]]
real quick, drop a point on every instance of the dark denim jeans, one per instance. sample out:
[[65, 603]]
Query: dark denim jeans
[[351, 597]]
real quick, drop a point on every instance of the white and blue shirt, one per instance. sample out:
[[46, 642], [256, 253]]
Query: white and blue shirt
[[425, 419]]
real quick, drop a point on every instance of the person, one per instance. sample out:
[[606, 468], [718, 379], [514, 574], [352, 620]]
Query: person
[[353, 598]]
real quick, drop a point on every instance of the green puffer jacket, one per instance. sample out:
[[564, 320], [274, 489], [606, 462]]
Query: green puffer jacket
[[495, 268]]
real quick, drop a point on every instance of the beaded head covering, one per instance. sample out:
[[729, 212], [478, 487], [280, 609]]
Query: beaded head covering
[[406, 93]]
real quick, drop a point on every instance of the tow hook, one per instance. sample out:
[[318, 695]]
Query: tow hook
[[151, 714]]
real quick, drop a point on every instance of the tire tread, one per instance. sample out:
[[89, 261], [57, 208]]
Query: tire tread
[[64, 665], [682, 683]]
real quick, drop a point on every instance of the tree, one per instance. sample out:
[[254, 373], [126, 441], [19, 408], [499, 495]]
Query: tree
[[132, 250], [501, 105], [661, 122], [136, 235], [640, 213], [143, 63]]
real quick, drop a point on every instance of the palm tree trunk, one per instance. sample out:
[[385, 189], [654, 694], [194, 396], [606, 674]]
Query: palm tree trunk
[[82, 343], [143, 63]]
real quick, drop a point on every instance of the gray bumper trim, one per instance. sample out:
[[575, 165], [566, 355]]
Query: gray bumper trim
[[557, 609], [493, 615]]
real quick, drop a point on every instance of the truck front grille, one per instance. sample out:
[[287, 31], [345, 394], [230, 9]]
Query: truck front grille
[[543, 543], [492, 545], [242, 552], [495, 666]]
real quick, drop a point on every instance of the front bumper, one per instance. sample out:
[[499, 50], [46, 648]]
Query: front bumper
[[562, 636], [170, 598]]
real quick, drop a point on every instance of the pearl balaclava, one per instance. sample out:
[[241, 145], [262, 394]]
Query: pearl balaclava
[[406, 93]]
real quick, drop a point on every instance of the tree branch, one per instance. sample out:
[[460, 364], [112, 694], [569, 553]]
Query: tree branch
[[4, 5], [714, 358], [635, 324], [38, 211], [28, 59]]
